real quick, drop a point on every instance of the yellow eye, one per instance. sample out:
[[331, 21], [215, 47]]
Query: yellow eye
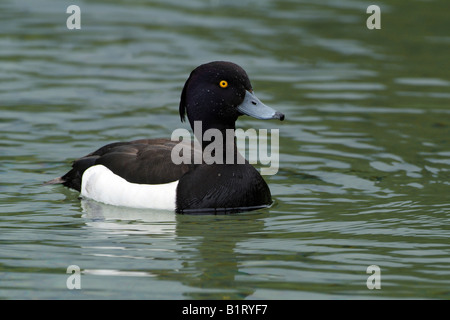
[[223, 84]]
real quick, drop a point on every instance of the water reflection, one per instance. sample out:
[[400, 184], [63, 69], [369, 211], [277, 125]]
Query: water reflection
[[216, 263], [116, 220], [211, 262]]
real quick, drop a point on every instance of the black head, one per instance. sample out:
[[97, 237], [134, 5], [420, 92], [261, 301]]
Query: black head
[[217, 93]]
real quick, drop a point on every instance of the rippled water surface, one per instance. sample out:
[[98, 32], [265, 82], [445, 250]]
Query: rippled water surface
[[364, 174]]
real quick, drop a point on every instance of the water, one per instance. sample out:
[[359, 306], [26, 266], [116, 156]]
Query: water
[[364, 150]]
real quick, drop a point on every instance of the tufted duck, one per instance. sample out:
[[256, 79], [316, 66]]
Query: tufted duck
[[141, 174]]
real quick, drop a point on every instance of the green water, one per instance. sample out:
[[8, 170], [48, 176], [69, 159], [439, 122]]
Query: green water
[[364, 175]]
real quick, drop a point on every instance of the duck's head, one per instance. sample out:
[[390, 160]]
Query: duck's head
[[217, 93]]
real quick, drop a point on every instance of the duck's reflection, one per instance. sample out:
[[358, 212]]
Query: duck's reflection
[[113, 219], [206, 247], [216, 265]]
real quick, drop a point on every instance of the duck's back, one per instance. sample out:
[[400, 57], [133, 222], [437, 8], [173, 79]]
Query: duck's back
[[146, 161]]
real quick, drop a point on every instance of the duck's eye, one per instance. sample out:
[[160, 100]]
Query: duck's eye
[[223, 84]]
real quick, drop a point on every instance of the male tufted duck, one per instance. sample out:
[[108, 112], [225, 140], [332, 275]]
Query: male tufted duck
[[141, 174]]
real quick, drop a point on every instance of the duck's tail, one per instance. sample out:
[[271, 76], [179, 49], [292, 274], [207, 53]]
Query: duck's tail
[[59, 180]]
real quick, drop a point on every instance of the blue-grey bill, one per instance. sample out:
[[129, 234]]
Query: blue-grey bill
[[253, 107]]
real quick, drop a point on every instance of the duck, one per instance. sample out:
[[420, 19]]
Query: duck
[[142, 173]]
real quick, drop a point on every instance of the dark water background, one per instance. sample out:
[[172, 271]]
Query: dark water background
[[364, 173]]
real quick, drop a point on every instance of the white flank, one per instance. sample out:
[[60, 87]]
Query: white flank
[[101, 184]]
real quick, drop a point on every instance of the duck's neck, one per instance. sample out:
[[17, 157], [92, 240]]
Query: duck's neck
[[218, 144]]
